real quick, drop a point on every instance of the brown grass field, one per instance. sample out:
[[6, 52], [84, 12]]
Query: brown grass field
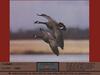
[[39, 47]]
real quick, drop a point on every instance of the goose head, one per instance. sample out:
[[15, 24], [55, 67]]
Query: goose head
[[62, 26]]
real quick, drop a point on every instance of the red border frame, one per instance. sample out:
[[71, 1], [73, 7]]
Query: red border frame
[[4, 30], [94, 30]]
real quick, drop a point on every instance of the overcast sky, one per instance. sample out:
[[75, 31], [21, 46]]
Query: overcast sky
[[71, 13]]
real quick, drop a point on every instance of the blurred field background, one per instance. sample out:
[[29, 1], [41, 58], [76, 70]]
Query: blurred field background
[[76, 41], [40, 47]]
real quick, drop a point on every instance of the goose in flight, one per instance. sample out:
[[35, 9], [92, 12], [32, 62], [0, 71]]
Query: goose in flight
[[56, 29], [48, 38]]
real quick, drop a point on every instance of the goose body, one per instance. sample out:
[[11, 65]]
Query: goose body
[[50, 39], [56, 29]]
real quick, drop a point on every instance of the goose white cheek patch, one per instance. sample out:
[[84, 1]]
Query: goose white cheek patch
[[61, 27]]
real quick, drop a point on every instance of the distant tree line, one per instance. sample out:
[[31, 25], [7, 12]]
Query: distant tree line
[[70, 33]]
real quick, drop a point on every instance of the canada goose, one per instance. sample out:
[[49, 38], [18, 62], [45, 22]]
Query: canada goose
[[56, 28], [48, 38]]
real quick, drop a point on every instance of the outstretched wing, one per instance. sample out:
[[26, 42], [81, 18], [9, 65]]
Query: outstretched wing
[[47, 17]]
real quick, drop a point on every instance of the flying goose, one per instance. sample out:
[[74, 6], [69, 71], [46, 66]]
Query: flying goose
[[48, 38], [56, 28]]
